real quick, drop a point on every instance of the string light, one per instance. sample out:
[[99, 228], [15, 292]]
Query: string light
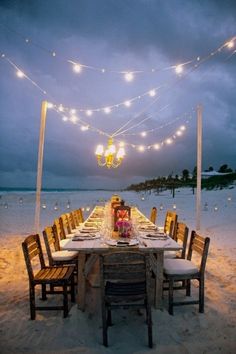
[[179, 69], [20, 74], [77, 68], [129, 76], [230, 44]]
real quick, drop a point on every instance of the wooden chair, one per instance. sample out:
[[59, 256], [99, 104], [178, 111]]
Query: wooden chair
[[80, 215], [170, 223], [185, 270], [57, 256], [77, 219], [125, 282], [153, 215], [58, 276], [65, 225], [181, 237]]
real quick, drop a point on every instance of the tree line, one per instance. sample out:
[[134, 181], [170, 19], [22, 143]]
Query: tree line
[[186, 179]]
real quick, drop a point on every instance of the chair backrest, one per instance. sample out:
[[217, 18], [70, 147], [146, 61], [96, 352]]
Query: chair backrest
[[32, 248], [64, 223], [76, 218], [125, 267], [181, 236], [71, 220], [59, 229], [80, 215], [153, 215], [200, 245], [51, 242], [170, 223]]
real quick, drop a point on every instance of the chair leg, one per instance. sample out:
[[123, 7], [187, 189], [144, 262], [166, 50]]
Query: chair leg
[[32, 302], [72, 289], [104, 325], [171, 286], [188, 287], [109, 322], [65, 301], [149, 323], [44, 297], [201, 295]]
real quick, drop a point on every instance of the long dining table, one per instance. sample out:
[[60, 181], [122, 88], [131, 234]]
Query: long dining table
[[95, 237]]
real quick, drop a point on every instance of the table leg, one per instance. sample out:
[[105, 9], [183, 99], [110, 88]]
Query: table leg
[[157, 267], [81, 282]]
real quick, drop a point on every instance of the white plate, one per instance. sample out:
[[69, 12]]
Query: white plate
[[85, 237], [121, 243], [154, 236]]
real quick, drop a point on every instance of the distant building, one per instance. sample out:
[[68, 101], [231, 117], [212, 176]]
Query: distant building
[[208, 174]]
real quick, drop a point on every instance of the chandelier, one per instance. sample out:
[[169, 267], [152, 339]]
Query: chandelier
[[110, 157]]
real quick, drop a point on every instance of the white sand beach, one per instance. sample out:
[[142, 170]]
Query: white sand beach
[[185, 332]]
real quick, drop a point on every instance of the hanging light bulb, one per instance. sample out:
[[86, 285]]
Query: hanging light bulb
[[20, 74], [161, 206], [129, 76], [107, 110], [77, 68], [230, 44], [152, 93], [127, 103], [179, 69]]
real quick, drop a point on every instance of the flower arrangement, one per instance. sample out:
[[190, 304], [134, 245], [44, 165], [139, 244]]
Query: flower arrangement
[[124, 228]]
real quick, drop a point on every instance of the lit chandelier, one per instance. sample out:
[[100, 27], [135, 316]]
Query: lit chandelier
[[109, 157]]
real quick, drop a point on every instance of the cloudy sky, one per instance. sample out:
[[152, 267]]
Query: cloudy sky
[[118, 36]]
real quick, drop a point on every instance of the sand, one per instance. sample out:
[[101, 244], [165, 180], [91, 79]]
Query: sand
[[185, 332]]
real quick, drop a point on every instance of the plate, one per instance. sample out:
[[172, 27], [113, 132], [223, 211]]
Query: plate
[[154, 236], [121, 243], [85, 237]]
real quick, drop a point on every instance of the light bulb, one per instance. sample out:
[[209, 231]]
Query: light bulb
[[65, 119], [74, 119], [143, 134], [120, 153], [20, 74], [230, 44], [156, 146], [127, 103], [61, 108], [152, 93], [169, 141], [77, 68], [99, 150], [129, 76], [107, 110], [49, 105], [179, 69], [141, 148], [89, 112], [179, 132]]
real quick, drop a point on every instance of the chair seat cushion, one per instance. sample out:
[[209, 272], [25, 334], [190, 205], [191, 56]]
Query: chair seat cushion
[[63, 242], [170, 254], [179, 267], [64, 255]]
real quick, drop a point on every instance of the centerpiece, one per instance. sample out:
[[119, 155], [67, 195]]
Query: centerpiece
[[124, 228]]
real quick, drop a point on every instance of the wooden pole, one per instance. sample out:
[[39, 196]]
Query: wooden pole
[[40, 165], [199, 167]]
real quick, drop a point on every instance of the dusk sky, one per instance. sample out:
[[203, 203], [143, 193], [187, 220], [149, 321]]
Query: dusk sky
[[149, 37]]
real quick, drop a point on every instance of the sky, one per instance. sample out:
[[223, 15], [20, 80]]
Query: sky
[[146, 37]]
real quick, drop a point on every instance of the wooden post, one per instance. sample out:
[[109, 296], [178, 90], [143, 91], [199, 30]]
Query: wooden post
[[40, 165], [199, 167]]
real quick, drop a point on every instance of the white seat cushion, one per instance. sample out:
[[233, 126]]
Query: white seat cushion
[[63, 242], [64, 255], [170, 254], [179, 267]]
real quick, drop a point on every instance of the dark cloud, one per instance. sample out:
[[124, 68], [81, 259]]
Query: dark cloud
[[116, 35]]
